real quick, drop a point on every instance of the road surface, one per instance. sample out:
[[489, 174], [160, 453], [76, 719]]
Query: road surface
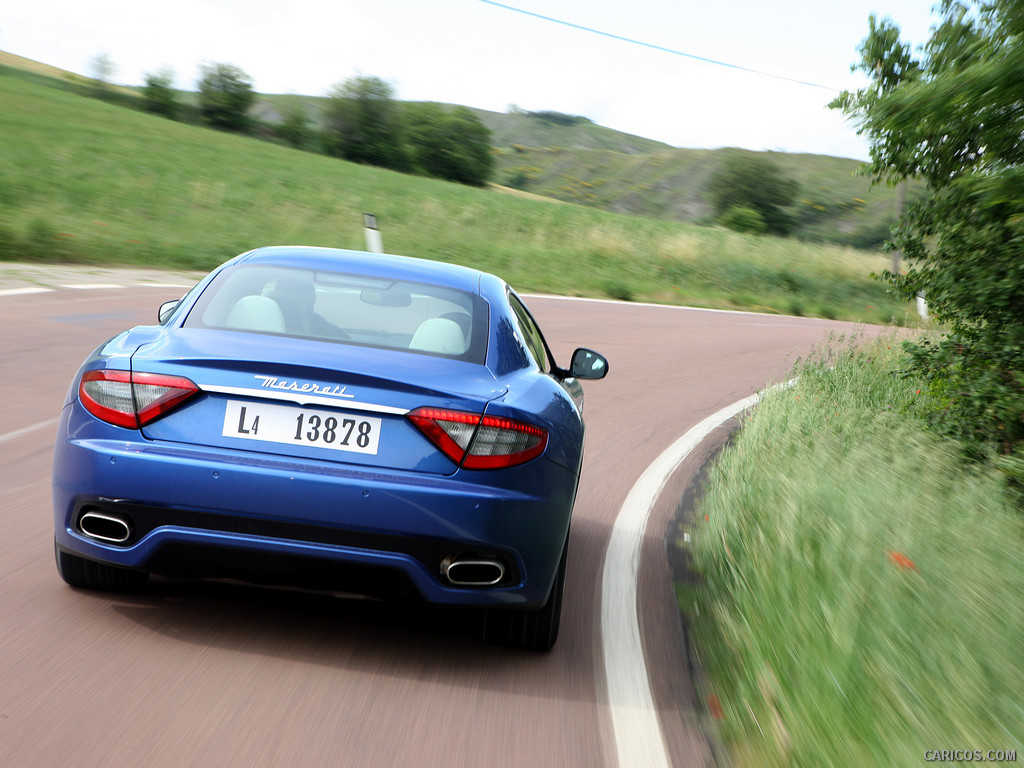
[[215, 674]]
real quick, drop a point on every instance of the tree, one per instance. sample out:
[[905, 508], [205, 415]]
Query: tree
[[295, 127], [954, 119], [453, 145], [103, 69], [159, 94], [748, 180], [363, 123], [225, 97]]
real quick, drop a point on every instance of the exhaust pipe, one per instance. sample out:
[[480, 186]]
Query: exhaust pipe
[[113, 530], [472, 572]]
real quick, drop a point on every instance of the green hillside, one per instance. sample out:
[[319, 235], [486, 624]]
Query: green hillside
[[571, 159], [516, 127], [591, 165], [835, 202], [580, 162], [86, 180]]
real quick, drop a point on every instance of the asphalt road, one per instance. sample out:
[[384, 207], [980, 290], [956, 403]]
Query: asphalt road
[[214, 674]]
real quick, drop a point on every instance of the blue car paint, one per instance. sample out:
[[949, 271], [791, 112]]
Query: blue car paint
[[456, 508], [522, 511], [230, 360]]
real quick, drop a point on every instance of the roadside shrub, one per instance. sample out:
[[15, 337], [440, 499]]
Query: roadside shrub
[[363, 123], [748, 180], [519, 178], [225, 97], [158, 94], [451, 144], [952, 120], [976, 388], [740, 219], [618, 291], [10, 245], [42, 243], [855, 571], [558, 118], [295, 127]]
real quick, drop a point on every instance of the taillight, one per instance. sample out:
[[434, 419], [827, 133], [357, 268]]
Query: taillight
[[480, 442], [130, 399]]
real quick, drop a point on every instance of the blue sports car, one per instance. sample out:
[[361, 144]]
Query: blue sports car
[[335, 420]]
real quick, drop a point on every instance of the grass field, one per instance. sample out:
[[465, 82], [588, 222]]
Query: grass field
[[87, 181], [860, 599]]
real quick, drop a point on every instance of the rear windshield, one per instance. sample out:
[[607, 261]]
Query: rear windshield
[[349, 309]]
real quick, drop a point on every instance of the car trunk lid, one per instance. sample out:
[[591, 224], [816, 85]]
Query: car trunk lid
[[317, 400]]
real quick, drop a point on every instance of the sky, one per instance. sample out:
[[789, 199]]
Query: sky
[[480, 54]]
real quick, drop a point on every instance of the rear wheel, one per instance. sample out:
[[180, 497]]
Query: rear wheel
[[534, 630], [88, 574]]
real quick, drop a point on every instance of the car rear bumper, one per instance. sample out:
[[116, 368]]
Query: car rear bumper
[[201, 512]]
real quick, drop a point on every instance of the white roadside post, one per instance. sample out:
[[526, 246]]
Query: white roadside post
[[373, 241], [922, 306]]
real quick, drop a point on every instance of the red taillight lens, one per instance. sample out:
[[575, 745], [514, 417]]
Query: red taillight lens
[[130, 399], [480, 442], [107, 395]]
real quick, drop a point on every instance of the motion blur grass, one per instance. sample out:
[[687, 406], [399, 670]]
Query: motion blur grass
[[860, 590], [82, 180]]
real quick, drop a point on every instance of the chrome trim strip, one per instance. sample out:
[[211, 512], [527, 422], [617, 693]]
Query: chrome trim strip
[[303, 399]]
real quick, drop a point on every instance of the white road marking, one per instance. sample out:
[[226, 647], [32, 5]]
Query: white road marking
[[91, 286], [639, 304], [25, 290], [25, 430], [637, 730]]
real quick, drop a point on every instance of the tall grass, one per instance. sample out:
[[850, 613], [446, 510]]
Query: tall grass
[[85, 180], [861, 593]]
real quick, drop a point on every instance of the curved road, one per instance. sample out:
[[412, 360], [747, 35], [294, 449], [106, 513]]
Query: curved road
[[214, 674]]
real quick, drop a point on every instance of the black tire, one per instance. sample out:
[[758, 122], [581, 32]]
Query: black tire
[[533, 630], [88, 574]]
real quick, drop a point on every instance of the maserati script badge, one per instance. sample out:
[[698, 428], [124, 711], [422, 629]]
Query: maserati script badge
[[306, 387]]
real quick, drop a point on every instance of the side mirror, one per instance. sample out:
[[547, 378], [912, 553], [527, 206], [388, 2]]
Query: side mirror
[[587, 364], [167, 309]]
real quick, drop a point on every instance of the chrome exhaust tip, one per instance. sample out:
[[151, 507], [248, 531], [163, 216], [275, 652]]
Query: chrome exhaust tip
[[472, 572], [106, 528]]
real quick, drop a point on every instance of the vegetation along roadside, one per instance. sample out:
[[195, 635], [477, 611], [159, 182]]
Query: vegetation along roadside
[[860, 544], [85, 180], [859, 594]]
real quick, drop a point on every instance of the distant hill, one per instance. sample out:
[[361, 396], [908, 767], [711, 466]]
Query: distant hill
[[20, 62], [571, 159], [591, 165], [550, 129], [574, 160]]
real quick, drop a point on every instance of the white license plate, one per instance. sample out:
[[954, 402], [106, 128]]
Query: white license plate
[[302, 426]]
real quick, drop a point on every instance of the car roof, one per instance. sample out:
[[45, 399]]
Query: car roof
[[366, 263]]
